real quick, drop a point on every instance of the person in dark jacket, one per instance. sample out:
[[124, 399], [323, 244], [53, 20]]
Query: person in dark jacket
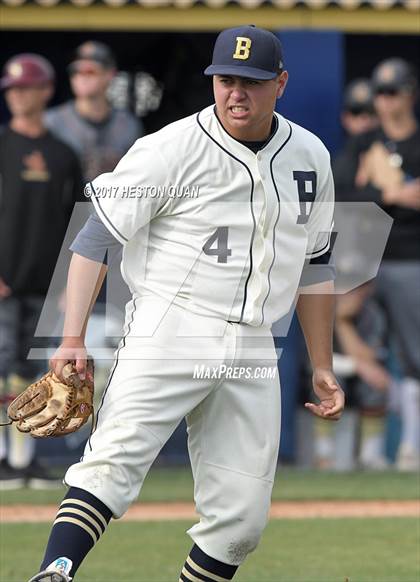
[[40, 182], [383, 166]]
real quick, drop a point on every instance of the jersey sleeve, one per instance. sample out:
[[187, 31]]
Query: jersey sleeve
[[130, 196], [320, 221]]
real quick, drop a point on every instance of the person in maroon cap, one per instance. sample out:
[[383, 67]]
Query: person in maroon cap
[[41, 180]]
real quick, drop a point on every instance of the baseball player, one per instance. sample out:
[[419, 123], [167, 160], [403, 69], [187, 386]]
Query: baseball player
[[217, 214]]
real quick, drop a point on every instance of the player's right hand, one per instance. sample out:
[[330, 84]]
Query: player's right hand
[[72, 349]]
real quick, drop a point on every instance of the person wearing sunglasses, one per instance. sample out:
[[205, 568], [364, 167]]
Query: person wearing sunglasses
[[385, 168], [358, 115], [338, 448]]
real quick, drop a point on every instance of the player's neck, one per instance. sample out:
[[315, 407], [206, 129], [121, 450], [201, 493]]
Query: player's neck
[[249, 134], [30, 126], [258, 134], [94, 109], [399, 128]]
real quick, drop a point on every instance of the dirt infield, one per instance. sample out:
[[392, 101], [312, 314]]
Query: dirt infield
[[279, 510]]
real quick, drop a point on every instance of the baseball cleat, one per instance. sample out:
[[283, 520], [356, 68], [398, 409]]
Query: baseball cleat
[[57, 571], [48, 576]]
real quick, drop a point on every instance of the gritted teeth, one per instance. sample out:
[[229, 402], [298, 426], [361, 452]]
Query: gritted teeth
[[237, 108]]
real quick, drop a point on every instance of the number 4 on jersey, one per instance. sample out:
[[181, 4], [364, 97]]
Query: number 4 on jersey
[[220, 239]]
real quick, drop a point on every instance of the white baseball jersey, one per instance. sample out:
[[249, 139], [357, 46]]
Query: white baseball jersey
[[213, 227]]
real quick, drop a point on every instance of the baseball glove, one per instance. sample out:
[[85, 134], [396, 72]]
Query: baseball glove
[[50, 407]]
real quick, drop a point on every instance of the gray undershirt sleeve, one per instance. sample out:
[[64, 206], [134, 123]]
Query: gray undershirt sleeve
[[95, 242], [318, 270]]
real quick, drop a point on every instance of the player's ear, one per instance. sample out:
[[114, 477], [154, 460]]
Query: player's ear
[[282, 82]]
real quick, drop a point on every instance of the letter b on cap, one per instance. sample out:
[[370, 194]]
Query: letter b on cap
[[243, 47]]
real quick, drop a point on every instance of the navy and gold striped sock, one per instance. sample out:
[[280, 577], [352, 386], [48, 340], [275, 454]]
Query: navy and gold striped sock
[[199, 567], [80, 522]]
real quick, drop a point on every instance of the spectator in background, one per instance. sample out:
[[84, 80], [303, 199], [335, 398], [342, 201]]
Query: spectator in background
[[357, 360], [358, 114], [40, 182], [360, 333], [358, 117], [384, 167], [99, 134]]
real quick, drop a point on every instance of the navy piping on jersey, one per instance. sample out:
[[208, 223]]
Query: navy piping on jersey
[[252, 211], [113, 370], [106, 219], [273, 134], [324, 248], [277, 218]]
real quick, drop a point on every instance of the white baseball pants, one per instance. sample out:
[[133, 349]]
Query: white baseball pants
[[233, 422]]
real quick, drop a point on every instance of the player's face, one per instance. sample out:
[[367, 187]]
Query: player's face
[[27, 101], [89, 79], [245, 106]]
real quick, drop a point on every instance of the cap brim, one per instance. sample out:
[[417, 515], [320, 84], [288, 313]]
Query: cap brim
[[9, 82], [240, 71]]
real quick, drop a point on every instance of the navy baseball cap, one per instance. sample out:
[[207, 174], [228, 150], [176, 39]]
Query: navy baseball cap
[[358, 96], [394, 75], [247, 51], [93, 50]]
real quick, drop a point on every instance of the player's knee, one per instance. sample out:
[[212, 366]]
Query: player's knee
[[244, 543], [247, 534]]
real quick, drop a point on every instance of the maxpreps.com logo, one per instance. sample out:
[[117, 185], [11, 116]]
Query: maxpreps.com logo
[[243, 48]]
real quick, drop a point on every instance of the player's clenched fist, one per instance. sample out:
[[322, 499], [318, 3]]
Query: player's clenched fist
[[330, 394], [70, 350]]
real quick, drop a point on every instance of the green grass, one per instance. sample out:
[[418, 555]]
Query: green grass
[[164, 484], [364, 550]]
